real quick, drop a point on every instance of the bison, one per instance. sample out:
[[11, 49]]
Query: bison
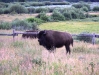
[[55, 39], [29, 34]]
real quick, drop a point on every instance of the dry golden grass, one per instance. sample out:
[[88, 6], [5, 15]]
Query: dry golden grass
[[94, 13], [10, 18], [27, 57]]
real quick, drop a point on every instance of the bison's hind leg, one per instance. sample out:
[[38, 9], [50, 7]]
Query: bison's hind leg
[[67, 49]]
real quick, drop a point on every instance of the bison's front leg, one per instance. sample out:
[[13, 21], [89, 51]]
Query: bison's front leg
[[67, 49]]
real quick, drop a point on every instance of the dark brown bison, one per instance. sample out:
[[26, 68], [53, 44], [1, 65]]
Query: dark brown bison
[[54, 39], [30, 34]]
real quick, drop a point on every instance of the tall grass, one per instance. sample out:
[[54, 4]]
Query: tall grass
[[27, 57]]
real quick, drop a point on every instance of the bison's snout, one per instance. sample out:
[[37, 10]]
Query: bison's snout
[[40, 42]]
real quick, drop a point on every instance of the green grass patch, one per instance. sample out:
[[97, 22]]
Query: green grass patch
[[17, 44], [72, 26]]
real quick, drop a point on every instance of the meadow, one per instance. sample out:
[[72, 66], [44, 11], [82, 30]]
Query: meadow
[[72, 26], [26, 57]]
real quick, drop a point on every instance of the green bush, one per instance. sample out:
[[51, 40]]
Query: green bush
[[80, 5], [34, 26], [31, 10], [36, 20], [84, 38], [57, 9], [51, 9], [39, 10], [84, 9], [6, 11], [43, 17], [74, 14], [18, 8], [1, 11], [96, 8], [5, 25], [67, 15], [57, 16], [21, 25], [81, 14], [3, 5]]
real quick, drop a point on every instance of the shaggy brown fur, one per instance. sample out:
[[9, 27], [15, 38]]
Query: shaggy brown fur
[[54, 39], [30, 35]]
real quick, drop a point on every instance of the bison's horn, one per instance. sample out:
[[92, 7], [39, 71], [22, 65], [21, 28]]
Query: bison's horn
[[44, 31]]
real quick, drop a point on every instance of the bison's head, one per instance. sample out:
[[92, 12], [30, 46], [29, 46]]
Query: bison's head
[[41, 37]]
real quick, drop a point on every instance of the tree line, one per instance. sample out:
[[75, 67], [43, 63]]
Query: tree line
[[7, 1]]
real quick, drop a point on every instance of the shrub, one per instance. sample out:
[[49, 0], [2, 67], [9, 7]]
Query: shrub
[[50, 9], [18, 8], [43, 17], [21, 25], [74, 14], [34, 26], [81, 15], [36, 20], [39, 10], [6, 11], [57, 16], [37, 61], [84, 38], [67, 15], [84, 9], [1, 11], [31, 10], [70, 13], [96, 8], [57, 9], [80, 5], [5, 25], [3, 5]]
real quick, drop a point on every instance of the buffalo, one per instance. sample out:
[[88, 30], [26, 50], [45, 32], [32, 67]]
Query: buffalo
[[55, 39], [30, 34]]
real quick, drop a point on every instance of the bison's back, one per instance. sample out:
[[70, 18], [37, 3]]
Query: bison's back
[[29, 35], [58, 39]]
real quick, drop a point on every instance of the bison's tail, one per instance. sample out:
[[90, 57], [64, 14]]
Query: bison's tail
[[72, 42]]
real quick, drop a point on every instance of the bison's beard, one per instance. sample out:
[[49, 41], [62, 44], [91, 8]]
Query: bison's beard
[[46, 45]]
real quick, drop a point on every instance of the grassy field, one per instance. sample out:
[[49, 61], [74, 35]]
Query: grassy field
[[26, 57], [72, 26], [11, 17]]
